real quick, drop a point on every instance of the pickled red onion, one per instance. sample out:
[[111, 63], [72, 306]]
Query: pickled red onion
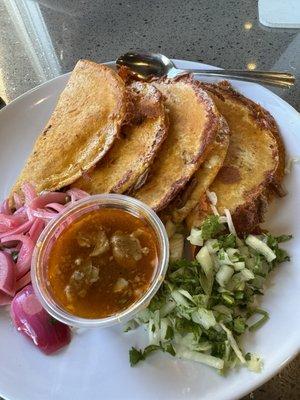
[[24, 281], [25, 254], [36, 229], [7, 274], [46, 198], [29, 192], [76, 194], [32, 320], [18, 201], [43, 214], [10, 221], [4, 207], [24, 228], [55, 206], [5, 299], [19, 232]]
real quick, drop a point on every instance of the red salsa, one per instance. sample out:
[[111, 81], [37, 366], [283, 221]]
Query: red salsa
[[102, 263]]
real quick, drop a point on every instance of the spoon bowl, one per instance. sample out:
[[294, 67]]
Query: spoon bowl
[[145, 65]]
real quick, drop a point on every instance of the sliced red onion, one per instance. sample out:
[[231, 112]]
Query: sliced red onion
[[9, 245], [76, 194], [5, 299], [4, 207], [24, 281], [55, 206], [29, 192], [10, 221], [18, 201], [33, 321], [46, 198], [36, 230], [25, 254], [43, 214], [24, 228], [22, 211], [7, 274], [29, 214], [12, 247]]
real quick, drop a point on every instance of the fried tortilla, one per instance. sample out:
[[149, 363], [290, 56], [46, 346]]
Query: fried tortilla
[[254, 165], [193, 127], [86, 121], [189, 196], [127, 162]]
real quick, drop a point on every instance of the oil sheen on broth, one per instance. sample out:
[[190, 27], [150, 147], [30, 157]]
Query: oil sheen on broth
[[102, 263]]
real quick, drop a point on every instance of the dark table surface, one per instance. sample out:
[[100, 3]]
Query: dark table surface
[[41, 39]]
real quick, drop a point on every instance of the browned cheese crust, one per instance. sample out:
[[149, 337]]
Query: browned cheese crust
[[189, 196], [127, 162], [193, 127], [81, 129], [254, 165]]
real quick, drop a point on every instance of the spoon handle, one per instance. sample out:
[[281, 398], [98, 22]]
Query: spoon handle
[[281, 79]]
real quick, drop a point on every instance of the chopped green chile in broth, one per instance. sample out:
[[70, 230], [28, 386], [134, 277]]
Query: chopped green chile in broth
[[102, 263]]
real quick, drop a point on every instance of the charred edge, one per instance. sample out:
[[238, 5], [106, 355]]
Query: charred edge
[[129, 109], [211, 126], [248, 216], [117, 188], [229, 174], [158, 141], [183, 196], [211, 129], [277, 188], [260, 115], [175, 188], [130, 76], [125, 74], [146, 161], [47, 129]]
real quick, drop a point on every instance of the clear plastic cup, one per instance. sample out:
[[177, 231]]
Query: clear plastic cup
[[39, 270]]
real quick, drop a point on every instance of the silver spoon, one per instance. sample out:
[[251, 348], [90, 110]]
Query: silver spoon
[[145, 65]]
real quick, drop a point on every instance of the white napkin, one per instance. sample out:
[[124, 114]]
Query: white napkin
[[279, 13]]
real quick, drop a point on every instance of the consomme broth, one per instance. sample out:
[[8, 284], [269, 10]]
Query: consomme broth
[[102, 263]]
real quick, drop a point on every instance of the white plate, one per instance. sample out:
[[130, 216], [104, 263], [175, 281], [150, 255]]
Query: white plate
[[95, 364]]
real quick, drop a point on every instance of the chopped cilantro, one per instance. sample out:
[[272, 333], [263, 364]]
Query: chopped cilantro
[[211, 226], [169, 349], [15, 255], [135, 356], [52, 320], [239, 325], [169, 333], [273, 242], [227, 241], [218, 349]]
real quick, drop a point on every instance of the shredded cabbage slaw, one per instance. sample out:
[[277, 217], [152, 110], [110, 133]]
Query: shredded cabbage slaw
[[205, 305]]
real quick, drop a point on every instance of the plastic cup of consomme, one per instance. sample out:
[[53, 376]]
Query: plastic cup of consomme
[[101, 261]]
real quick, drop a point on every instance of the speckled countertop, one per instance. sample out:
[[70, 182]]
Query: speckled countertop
[[44, 38]]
